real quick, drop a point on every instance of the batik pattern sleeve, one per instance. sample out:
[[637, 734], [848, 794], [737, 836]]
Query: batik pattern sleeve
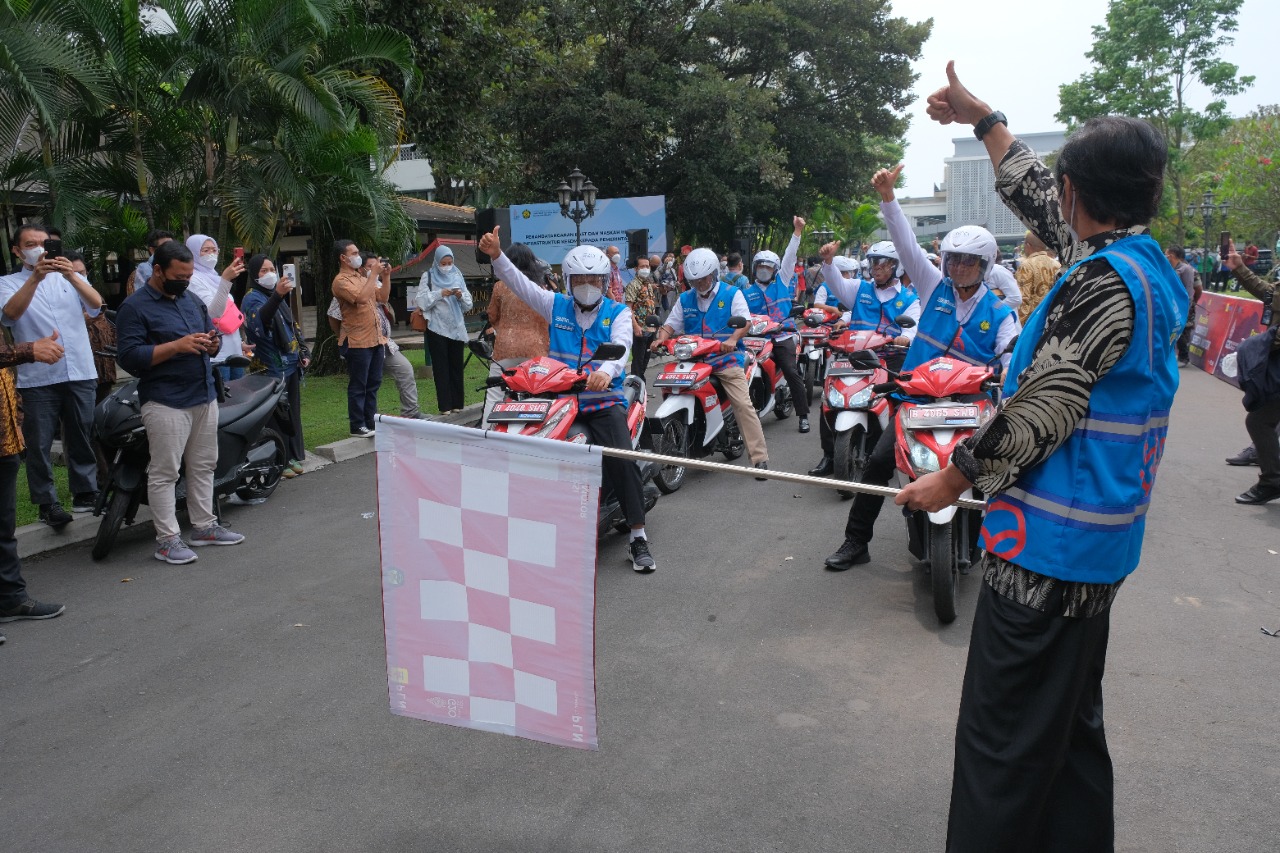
[[1027, 187]]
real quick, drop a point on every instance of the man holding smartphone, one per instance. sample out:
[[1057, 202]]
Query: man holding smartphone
[[43, 297]]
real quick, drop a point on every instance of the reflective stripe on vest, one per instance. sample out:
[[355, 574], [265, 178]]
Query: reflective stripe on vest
[[940, 332]]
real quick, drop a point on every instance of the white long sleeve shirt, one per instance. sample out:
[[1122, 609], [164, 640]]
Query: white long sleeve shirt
[[846, 290], [1005, 282], [675, 320], [544, 301]]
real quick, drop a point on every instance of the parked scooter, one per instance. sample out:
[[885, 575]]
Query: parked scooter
[[253, 418], [695, 418], [542, 401], [767, 386]]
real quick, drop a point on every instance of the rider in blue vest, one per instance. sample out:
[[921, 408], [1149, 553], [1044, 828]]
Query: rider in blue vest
[[772, 291], [875, 306], [1068, 466], [579, 324], [704, 310]]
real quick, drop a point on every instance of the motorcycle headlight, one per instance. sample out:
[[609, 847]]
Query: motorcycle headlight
[[683, 352], [861, 400], [834, 398], [924, 460], [553, 420]]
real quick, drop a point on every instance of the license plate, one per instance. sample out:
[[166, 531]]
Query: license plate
[[514, 412], [842, 367], [923, 417], [675, 380]]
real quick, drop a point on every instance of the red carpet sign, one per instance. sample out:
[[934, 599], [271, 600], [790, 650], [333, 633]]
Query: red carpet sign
[[1222, 323], [488, 579]]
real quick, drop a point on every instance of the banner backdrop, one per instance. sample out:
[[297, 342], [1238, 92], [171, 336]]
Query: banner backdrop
[[550, 235], [488, 546], [1222, 323]]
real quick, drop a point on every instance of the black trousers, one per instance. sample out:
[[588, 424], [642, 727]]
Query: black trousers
[[640, 354], [293, 387], [13, 589], [1032, 771], [447, 357], [1184, 339], [364, 378], [608, 428], [866, 508], [784, 353], [1261, 425]]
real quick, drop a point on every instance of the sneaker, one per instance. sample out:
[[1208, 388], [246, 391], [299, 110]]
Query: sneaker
[[1259, 494], [1248, 456], [850, 554], [84, 502], [296, 466], [804, 424], [174, 550], [288, 473], [362, 432], [762, 466], [31, 609], [215, 535], [54, 515], [641, 559]]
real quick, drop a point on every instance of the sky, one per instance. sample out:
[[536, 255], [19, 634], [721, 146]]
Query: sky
[[1015, 61]]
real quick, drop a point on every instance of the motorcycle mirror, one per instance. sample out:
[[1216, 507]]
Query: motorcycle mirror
[[736, 322], [492, 381], [609, 352], [1013, 343], [904, 322], [653, 321], [813, 322], [798, 311]]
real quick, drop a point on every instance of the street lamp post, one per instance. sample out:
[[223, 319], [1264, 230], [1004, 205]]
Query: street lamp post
[[1207, 209], [748, 230], [581, 193]]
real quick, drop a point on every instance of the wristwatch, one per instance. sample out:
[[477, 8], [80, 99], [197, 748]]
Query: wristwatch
[[980, 129]]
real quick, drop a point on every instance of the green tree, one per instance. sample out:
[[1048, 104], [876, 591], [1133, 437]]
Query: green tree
[[1149, 59], [1242, 167]]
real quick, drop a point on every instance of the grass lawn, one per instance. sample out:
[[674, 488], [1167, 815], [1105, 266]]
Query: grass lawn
[[324, 417]]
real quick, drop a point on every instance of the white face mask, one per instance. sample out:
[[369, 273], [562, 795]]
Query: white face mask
[[32, 256], [643, 272], [613, 259], [207, 259], [268, 280], [764, 275], [354, 262], [1071, 220], [587, 296]]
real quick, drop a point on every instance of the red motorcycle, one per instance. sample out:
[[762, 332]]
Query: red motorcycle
[[695, 418], [768, 387], [815, 334], [854, 413], [542, 401], [948, 400]]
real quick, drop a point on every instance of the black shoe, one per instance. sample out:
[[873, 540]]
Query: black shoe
[[1248, 456], [54, 515], [362, 432], [850, 554], [804, 424], [31, 609], [1259, 495], [641, 559], [762, 466], [823, 468], [84, 502]]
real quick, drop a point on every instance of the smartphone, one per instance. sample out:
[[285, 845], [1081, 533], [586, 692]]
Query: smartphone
[[290, 271], [53, 248], [237, 254], [1224, 245]]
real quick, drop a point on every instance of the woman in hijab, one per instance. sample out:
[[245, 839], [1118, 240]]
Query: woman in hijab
[[215, 292], [444, 298], [278, 344]]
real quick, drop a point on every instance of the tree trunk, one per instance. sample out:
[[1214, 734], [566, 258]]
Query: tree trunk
[[324, 266]]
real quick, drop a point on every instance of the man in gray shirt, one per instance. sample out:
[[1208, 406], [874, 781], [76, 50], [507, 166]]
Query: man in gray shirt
[[1178, 260]]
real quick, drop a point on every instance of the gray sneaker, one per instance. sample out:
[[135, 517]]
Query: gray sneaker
[[174, 550], [216, 535]]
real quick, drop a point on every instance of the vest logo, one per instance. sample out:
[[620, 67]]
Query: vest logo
[[1005, 531], [985, 325], [898, 304], [720, 304], [606, 321]]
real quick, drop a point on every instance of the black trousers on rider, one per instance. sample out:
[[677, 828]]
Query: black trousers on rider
[[608, 428], [866, 508], [784, 352]]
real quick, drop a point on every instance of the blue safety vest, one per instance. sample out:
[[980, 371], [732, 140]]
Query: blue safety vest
[[1080, 514], [572, 344], [714, 323], [940, 332], [870, 314], [774, 300], [832, 301]]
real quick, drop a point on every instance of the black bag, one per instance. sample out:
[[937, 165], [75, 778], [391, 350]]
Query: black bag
[[1258, 367]]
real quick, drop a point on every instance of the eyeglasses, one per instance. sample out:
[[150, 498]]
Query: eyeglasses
[[883, 262], [587, 278], [963, 259]]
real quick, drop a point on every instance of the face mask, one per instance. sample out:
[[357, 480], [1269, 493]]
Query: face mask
[[587, 296], [613, 259], [207, 260], [32, 256], [1071, 221], [268, 280], [724, 268], [176, 286], [764, 275], [643, 273], [353, 261]]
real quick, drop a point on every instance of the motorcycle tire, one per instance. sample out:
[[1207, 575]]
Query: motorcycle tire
[[671, 442], [112, 518], [944, 571], [810, 374], [733, 445], [782, 404], [850, 459], [256, 485]]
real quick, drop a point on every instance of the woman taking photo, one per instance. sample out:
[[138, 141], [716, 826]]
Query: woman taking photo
[[269, 323], [214, 291], [444, 298]]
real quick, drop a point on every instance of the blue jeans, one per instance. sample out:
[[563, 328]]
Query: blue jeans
[[364, 378], [229, 373], [43, 407]]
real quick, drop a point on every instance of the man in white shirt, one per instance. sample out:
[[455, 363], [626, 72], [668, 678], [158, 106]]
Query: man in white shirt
[[45, 296]]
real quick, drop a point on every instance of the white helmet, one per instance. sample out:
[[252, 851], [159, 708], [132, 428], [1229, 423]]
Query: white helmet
[[701, 263], [764, 256], [885, 250], [970, 240], [844, 265], [586, 262]]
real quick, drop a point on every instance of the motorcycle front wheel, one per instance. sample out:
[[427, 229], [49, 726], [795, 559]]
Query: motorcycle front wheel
[[672, 442], [260, 484], [810, 375], [944, 571], [732, 444], [112, 518], [850, 455], [782, 405]]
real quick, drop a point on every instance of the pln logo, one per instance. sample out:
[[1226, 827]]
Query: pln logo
[[985, 325]]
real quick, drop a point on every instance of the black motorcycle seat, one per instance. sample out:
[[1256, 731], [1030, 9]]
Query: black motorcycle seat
[[244, 395]]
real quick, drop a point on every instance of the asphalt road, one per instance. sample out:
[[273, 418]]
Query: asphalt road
[[748, 700]]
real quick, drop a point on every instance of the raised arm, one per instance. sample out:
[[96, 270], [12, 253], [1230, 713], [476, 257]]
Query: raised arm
[[915, 260], [792, 252], [542, 301]]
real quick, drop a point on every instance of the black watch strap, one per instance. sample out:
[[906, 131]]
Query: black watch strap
[[980, 129]]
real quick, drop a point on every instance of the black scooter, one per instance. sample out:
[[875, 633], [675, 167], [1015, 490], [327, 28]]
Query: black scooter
[[253, 418]]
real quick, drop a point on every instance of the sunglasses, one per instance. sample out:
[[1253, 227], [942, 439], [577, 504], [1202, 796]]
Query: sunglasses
[[963, 259]]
